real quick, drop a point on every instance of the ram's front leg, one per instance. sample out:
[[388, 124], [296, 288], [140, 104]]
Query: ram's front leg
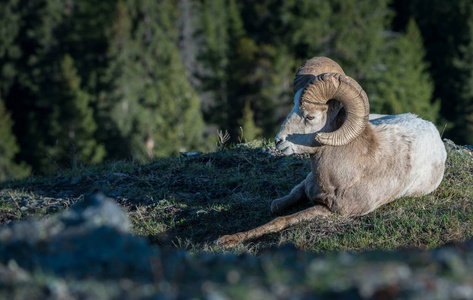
[[275, 225], [296, 196]]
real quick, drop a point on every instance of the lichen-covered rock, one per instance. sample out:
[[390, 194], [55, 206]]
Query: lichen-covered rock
[[90, 239], [94, 212]]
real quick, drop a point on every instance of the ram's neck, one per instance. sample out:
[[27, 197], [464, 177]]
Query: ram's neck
[[359, 152], [366, 145]]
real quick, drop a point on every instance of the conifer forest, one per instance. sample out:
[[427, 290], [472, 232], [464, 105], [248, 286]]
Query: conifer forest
[[85, 82]]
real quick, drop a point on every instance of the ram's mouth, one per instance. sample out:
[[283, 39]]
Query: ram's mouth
[[285, 148]]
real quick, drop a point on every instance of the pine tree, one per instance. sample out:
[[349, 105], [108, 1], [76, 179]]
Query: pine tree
[[447, 31], [83, 37], [118, 103], [53, 120], [261, 77], [242, 70], [37, 49], [10, 20], [175, 123], [215, 57], [464, 108], [9, 148], [72, 123], [249, 130], [463, 129], [405, 84], [150, 106]]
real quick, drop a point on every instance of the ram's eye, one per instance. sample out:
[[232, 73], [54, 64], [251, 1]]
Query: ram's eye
[[310, 118]]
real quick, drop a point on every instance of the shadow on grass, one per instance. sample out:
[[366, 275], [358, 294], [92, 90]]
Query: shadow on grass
[[189, 202]]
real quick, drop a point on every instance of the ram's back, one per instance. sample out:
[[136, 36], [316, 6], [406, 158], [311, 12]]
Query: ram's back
[[426, 151]]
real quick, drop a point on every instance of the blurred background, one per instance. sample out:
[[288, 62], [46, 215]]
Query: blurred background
[[83, 82]]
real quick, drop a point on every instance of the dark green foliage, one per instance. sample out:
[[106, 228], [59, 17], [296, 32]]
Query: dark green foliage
[[9, 50], [222, 30], [250, 131], [53, 120], [86, 80], [447, 31], [72, 123], [150, 107], [9, 148], [81, 78], [279, 35], [405, 85]]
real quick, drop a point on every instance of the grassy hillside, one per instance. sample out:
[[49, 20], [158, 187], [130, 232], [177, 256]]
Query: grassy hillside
[[188, 202]]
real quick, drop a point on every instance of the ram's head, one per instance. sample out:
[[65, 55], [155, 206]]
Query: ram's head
[[330, 108]]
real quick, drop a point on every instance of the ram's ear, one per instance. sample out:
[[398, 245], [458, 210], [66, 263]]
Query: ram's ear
[[301, 81]]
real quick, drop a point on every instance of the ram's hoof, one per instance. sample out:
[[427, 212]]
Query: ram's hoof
[[229, 240]]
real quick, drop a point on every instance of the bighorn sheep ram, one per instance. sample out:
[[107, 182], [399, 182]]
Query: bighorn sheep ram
[[358, 161]]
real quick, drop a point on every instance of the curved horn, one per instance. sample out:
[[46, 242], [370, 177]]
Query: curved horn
[[312, 68], [347, 91]]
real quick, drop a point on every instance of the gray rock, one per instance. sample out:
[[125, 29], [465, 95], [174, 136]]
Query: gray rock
[[96, 211], [90, 239]]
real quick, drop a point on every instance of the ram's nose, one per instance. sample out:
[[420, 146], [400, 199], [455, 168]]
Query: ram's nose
[[277, 140]]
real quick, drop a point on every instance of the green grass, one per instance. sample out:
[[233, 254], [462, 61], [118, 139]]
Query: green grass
[[187, 203]]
